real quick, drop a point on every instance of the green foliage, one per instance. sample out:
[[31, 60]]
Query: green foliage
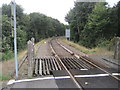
[[6, 33], [35, 25], [7, 55], [6, 10], [42, 26], [95, 27], [77, 18], [118, 10], [4, 77], [94, 24], [112, 44], [103, 43], [21, 39]]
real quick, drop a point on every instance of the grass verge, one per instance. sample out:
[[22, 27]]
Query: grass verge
[[96, 51], [8, 67], [4, 77], [37, 45]]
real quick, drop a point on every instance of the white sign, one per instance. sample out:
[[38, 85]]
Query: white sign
[[67, 33]]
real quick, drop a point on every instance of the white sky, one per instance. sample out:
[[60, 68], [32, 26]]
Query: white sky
[[54, 8]]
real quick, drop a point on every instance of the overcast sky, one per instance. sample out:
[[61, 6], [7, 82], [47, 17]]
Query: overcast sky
[[54, 8]]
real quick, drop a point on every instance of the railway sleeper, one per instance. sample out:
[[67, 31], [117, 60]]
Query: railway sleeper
[[44, 66]]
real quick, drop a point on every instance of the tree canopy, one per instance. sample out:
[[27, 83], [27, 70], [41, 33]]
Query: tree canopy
[[35, 25], [93, 24]]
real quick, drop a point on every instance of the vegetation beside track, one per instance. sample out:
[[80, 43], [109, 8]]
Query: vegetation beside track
[[94, 24], [35, 25], [8, 66], [96, 51], [4, 77]]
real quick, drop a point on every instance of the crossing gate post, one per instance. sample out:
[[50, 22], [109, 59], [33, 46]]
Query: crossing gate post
[[30, 58]]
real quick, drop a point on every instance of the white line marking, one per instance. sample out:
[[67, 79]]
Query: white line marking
[[60, 77], [10, 82], [83, 69], [117, 74], [27, 80], [98, 75], [44, 78]]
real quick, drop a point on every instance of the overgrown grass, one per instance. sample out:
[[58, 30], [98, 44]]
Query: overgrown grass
[[37, 45], [103, 51], [97, 50], [79, 47], [7, 55], [4, 77], [10, 55], [8, 66]]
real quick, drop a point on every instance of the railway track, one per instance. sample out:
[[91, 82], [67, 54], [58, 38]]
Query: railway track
[[65, 59], [44, 65], [88, 60]]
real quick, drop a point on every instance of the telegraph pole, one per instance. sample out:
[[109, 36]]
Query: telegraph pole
[[15, 39]]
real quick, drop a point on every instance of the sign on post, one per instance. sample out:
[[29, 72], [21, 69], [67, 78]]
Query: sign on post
[[67, 34]]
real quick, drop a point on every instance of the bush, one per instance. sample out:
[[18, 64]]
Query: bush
[[112, 44], [7, 55], [4, 77], [103, 43]]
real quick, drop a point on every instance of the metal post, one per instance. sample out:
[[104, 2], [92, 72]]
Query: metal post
[[15, 41]]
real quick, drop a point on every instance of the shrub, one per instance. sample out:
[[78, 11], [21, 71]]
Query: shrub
[[103, 43], [4, 77], [7, 55]]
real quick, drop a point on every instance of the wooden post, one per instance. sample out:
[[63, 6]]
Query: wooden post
[[117, 49], [33, 41], [30, 58]]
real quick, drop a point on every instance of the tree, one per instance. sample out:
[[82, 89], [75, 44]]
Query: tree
[[35, 25], [6, 10], [21, 38], [95, 29], [94, 24], [77, 18], [118, 6], [42, 26], [114, 14], [6, 33]]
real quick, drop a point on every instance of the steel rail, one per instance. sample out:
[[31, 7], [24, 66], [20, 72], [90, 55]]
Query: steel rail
[[83, 58], [72, 77], [99, 68]]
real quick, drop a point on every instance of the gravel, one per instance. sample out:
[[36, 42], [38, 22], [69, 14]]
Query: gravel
[[44, 50]]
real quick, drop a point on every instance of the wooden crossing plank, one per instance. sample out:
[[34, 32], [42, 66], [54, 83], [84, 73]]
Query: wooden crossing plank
[[44, 71], [36, 67], [40, 66], [56, 68]]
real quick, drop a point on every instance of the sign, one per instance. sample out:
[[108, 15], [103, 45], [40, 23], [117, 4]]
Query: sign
[[67, 33]]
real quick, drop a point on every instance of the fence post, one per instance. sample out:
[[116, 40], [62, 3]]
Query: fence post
[[117, 49], [33, 42], [30, 58]]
